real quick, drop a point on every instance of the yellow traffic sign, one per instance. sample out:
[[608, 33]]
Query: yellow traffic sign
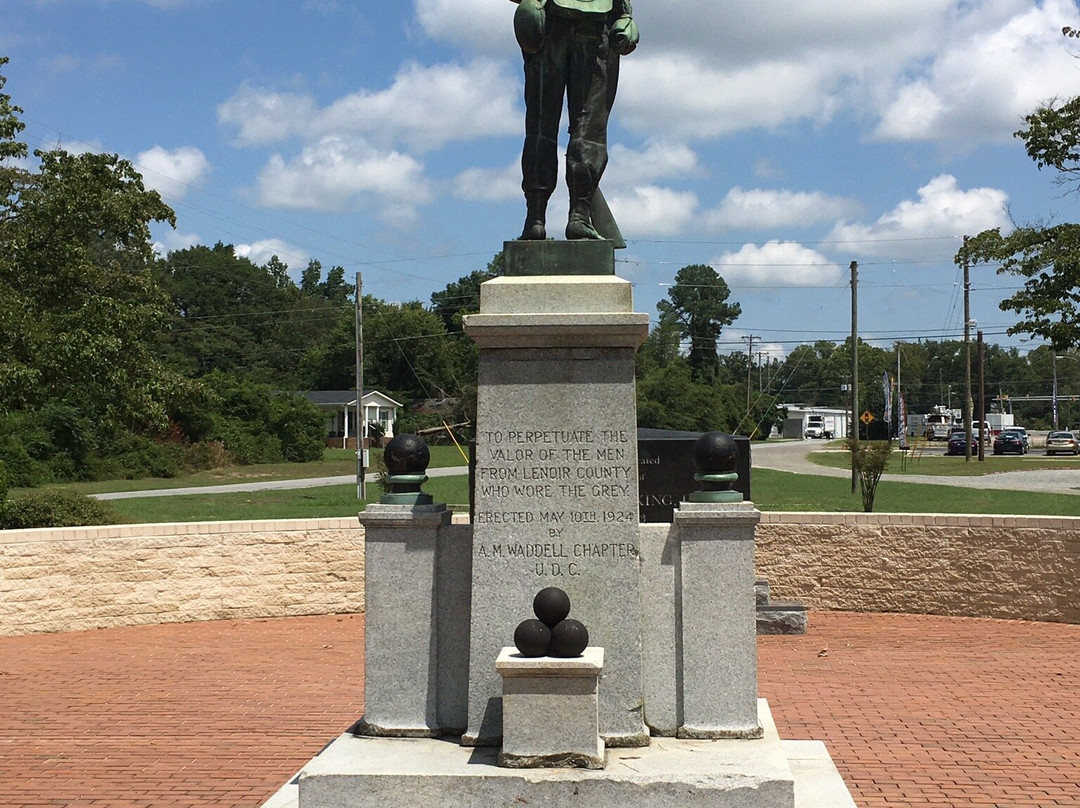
[[866, 417]]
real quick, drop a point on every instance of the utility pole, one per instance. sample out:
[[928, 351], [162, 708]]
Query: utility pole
[[1053, 397], [899, 426], [361, 425], [966, 406], [749, 338], [854, 434], [982, 397]]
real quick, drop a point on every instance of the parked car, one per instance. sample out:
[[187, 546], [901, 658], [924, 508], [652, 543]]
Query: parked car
[[1062, 443], [957, 443], [1023, 432], [1010, 440]]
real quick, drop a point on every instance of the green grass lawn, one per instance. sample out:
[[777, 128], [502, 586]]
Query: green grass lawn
[[334, 463], [300, 503], [954, 466], [773, 491]]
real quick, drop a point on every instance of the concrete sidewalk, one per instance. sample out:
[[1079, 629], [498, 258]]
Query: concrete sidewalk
[[915, 710]]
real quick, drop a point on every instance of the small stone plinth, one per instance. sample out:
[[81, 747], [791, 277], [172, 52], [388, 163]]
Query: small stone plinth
[[582, 257], [550, 710]]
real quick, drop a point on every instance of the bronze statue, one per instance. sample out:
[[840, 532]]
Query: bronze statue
[[571, 50]]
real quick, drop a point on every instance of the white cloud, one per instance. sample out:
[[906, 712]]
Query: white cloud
[[425, 107], [262, 251], [777, 264], [706, 68], [691, 96], [659, 160], [172, 240], [172, 173], [987, 77], [915, 228], [758, 209], [262, 116], [483, 25], [328, 175], [430, 106], [652, 211], [489, 184]]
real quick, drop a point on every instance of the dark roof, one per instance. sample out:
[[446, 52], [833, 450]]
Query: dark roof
[[336, 398]]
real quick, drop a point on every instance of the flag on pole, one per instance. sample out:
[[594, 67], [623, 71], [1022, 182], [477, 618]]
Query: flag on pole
[[886, 389], [902, 417]]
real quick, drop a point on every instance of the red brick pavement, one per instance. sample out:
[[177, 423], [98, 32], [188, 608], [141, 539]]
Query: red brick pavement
[[916, 711]]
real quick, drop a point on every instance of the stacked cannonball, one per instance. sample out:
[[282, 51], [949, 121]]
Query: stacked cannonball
[[552, 633]]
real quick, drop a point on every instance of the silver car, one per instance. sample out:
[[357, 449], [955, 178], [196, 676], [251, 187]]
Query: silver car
[[1062, 443]]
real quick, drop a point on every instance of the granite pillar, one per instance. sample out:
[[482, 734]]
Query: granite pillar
[[401, 631], [717, 638]]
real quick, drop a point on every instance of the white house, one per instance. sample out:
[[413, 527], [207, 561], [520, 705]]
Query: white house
[[340, 409]]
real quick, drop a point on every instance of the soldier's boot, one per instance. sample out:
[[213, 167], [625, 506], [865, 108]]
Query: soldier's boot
[[580, 224], [535, 218]]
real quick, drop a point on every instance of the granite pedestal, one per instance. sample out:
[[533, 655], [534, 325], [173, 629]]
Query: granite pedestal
[[556, 484], [550, 717]]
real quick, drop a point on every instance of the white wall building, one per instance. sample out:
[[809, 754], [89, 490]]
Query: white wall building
[[801, 417]]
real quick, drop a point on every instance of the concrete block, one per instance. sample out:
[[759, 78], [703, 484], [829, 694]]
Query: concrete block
[[550, 715]]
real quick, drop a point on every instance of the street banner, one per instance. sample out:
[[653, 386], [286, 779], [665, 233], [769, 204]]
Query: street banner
[[886, 389], [902, 418]]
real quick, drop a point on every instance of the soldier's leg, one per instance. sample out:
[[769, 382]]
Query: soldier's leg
[[545, 86], [591, 94]]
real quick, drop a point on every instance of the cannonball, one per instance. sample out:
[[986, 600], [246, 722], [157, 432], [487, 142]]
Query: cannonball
[[715, 453], [532, 638], [406, 454], [568, 639], [551, 605]]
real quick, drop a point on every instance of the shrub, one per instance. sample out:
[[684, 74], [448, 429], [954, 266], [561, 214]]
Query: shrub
[[128, 456], [52, 508], [869, 459], [299, 426], [206, 454], [23, 445], [246, 443]]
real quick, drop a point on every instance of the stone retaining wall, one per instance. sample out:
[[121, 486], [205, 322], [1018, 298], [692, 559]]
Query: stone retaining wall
[[1019, 567], [79, 578]]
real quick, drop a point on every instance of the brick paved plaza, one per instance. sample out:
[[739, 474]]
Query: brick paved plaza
[[916, 710]]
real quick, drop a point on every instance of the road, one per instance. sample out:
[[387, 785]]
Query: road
[[792, 456]]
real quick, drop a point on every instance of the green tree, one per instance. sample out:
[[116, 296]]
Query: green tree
[[463, 295], [1048, 257], [79, 308], [697, 303], [251, 321], [1048, 305]]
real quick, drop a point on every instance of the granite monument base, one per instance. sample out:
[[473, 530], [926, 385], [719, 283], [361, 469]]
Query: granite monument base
[[358, 772], [551, 711]]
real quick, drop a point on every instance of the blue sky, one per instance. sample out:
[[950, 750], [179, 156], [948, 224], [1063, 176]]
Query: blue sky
[[777, 141]]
